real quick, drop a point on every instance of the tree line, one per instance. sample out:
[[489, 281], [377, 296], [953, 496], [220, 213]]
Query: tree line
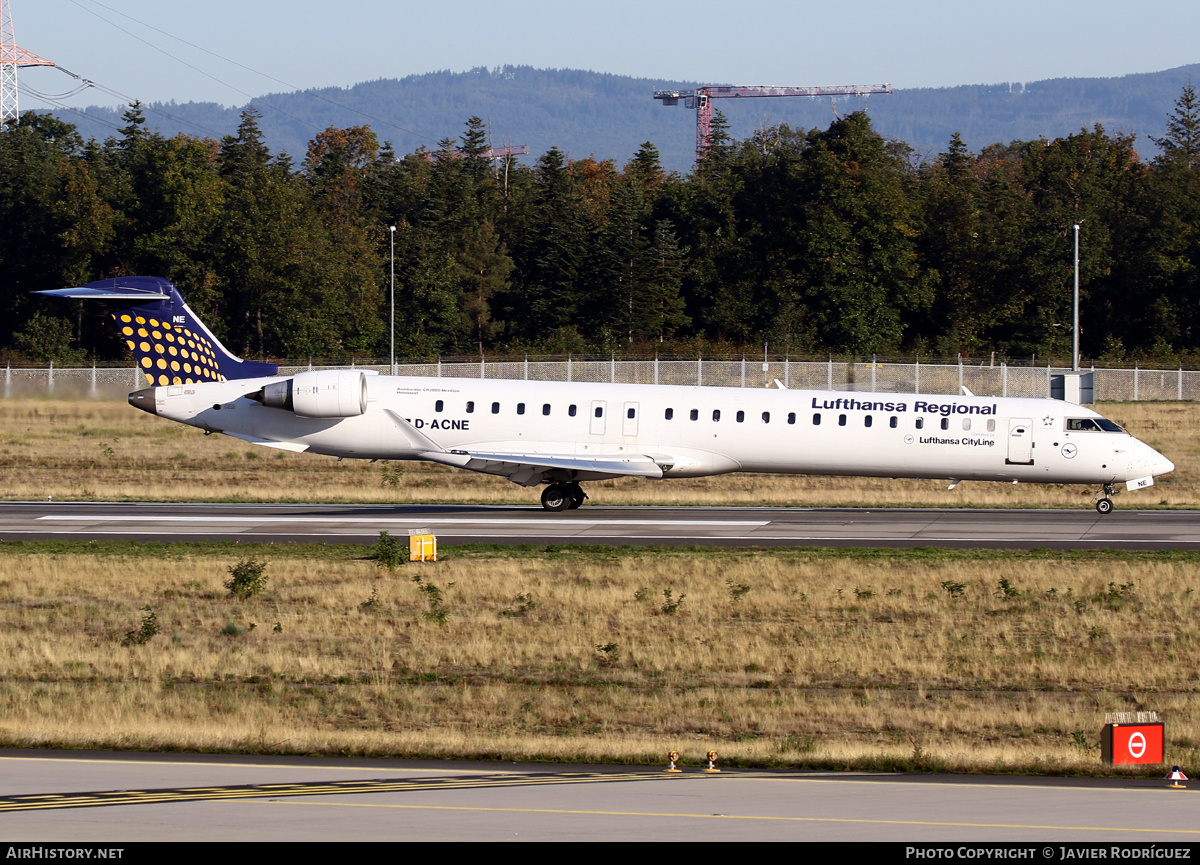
[[812, 240]]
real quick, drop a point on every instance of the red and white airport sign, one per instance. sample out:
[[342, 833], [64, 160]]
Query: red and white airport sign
[[1129, 744]]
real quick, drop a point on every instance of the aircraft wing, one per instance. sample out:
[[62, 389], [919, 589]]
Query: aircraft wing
[[530, 469], [294, 447]]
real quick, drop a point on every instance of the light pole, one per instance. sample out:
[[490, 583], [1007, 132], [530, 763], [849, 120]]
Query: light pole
[[1075, 337], [392, 232]]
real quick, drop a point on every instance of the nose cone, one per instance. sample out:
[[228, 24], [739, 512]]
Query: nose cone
[[1161, 465], [144, 399]]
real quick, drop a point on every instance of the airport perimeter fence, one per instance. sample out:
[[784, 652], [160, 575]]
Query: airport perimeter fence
[[866, 376]]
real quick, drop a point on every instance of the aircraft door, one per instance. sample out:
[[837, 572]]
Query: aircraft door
[[1020, 441], [599, 406], [629, 420]]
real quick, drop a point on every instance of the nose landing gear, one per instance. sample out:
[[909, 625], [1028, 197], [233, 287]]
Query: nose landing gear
[[1104, 502], [563, 496]]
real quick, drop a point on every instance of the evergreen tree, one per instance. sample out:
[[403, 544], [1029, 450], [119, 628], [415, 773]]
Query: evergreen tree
[[1181, 145]]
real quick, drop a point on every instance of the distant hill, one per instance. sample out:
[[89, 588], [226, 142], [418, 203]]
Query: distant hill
[[609, 116]]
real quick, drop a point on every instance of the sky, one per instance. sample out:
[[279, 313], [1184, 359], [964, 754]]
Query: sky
[[276, 46]]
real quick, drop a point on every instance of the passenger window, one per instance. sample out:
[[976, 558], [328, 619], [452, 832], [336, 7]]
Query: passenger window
[[546, 409], [841, 420], [893, 421], [695, 414], [716, 415], [867, 420], [945, 423], [471, 407], [920, 423], [766, 417], [816, 420], [791, 417], [571, 411], [437, 406], [741, 416], [670, 414], [991, 424], [520, 408], [966, 423], [599, 411], [630, 413], [495, 408]]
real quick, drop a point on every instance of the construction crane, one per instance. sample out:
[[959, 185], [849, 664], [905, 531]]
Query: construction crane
[[701, 99], [12, 58]]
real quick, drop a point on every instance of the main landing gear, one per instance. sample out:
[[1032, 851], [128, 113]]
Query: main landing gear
[[561, 497], [1104, 502]]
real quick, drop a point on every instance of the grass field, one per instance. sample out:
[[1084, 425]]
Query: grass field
[[107, 451], [918, 659], [923, 659]]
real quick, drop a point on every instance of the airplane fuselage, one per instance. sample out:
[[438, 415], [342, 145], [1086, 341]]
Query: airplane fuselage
[[579, 431]]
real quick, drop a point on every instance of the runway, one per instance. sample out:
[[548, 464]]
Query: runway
[[107, 797], [738, 526]]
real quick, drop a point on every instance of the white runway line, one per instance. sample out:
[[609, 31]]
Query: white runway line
[[441, 521]]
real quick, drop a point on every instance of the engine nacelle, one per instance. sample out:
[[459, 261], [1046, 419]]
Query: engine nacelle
[[320, 393]]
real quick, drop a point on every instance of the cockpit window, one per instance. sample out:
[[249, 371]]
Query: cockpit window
[[1088, 424]]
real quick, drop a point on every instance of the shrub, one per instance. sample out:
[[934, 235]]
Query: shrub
[[524, 603], [388, 552], [737, 591], [438, 612], [246, 578], [142, 635], [610, 654], [671, 604], [371, 604], [955, 590]]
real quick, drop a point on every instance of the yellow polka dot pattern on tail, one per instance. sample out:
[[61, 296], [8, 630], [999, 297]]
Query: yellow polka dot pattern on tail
[[172, 345]]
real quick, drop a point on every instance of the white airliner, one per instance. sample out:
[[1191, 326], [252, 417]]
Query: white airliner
[[561, 434]]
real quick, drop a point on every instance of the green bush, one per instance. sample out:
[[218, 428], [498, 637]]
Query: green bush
[[246, 578], [142, 635], [389, 552]]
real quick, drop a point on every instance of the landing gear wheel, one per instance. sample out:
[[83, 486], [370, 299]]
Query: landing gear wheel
[[577, 495], [556, 497], [1104, 506]]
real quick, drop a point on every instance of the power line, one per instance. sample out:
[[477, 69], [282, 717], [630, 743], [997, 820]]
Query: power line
[[190, 66], [242, 66], [87, 82]]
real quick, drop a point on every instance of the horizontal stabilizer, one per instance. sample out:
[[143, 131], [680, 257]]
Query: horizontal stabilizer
[[130, 294]]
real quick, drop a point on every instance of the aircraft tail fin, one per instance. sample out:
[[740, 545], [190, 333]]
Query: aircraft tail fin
[[170, 343]]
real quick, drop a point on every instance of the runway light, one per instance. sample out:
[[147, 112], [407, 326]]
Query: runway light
[[712, 756], [1176, 775], [673, 758]]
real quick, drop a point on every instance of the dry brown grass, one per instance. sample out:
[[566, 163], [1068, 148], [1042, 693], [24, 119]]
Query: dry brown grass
[[106, 451], [824, 658]]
